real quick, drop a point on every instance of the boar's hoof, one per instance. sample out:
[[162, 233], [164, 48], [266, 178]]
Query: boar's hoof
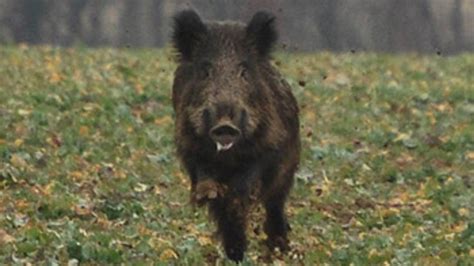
[[235, 253], [207, 190], [282, 243]]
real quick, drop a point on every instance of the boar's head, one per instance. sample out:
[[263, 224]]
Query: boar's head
[[218, 91]]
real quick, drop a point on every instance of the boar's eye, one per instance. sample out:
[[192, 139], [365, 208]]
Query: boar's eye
[[243, 69], [204, 69]]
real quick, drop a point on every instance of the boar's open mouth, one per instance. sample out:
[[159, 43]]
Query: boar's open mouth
[[221, 147], [225, 135]]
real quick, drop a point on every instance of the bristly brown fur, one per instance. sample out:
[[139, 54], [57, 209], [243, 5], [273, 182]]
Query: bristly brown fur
[[225, 77]]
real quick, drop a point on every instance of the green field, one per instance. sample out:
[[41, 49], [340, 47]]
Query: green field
[[88, 171]]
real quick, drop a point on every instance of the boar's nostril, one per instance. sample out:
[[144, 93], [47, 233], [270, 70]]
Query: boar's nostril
[[224, 136], [225, 130]]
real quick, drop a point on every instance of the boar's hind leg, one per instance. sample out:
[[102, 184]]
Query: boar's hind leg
[[276, 225], [230, 215]]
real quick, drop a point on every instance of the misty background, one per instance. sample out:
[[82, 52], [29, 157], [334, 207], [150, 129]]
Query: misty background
[[427, 26]]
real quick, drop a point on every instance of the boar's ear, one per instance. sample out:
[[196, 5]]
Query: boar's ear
[[188, 31], [261, 32]]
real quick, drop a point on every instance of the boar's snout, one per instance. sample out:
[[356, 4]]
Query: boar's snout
[[225, 135], [226, 124]]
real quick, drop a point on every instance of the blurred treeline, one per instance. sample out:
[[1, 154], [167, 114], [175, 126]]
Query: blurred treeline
[[429, 26]]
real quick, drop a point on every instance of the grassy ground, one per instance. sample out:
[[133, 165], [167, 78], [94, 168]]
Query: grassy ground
[[88, 172]]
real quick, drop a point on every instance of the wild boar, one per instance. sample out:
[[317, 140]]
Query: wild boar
[[236, 124]]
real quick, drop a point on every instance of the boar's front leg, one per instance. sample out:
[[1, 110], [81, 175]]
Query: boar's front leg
[[230, 215], [230, 211], [276, 224]]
